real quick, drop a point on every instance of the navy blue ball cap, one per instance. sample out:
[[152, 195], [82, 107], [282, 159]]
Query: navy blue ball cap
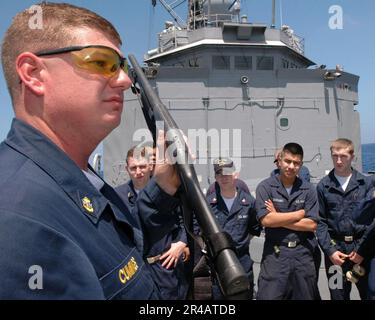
[[224, 166]]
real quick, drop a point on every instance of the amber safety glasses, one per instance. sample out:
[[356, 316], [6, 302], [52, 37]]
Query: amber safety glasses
[[94, 58]]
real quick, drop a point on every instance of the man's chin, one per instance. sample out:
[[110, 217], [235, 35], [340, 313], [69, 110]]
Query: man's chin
[[290, 175], [112, 121]]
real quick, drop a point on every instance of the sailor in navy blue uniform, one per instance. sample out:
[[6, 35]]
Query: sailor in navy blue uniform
[[234, 209], [167, 255], [339, 194], [64, 232], [365, 249], [288, 209]]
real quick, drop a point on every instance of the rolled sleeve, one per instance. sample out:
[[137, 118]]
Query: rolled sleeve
[[312, 205], [261, 196], [160, 200], [156, 210]]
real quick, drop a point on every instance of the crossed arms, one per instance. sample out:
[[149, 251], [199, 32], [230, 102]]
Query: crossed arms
[[294, 220]]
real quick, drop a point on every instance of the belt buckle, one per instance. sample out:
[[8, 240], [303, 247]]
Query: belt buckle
[[292, 244], [348, 238], [154, 259]]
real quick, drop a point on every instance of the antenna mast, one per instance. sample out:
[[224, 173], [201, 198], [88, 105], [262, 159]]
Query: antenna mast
[[170, 8], [273, 25]]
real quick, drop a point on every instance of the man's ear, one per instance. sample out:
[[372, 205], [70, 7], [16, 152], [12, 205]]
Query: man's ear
[[29, 68], [236, 175]]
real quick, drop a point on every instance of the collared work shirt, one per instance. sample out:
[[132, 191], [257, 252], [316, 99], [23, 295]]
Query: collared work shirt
[[85, 243], [302, 196]]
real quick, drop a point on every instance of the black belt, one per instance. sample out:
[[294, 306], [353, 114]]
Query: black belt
[[288, 244], [154, 259], [345, 238], [291, 244]]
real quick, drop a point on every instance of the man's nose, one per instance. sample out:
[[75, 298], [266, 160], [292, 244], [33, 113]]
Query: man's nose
[[138, 170], [121, 79]]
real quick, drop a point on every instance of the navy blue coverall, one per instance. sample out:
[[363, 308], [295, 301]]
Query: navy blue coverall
[[240, 222], [338, 229], [84, 244], [171, 282], [366, 246], [287, 269]]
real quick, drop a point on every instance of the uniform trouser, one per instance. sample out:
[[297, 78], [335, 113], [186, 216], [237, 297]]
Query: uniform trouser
[[172, 283], [289, 274], [340, 290], [317, 260]]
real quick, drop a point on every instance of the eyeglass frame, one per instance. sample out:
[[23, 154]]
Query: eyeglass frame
[[123, 60]]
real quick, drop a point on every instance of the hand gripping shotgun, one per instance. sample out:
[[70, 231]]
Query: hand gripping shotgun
[[220, 252]]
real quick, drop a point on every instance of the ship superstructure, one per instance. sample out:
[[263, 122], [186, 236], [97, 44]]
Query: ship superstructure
[[242, 90]]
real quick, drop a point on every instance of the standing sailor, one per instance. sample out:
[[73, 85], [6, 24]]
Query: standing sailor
[[234, 209], [167, 255], [287, 207], [338, 233]]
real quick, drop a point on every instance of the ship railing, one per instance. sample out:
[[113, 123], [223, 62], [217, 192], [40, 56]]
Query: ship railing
[[172, 38], [293, 41], [212, 20], [216, 20]]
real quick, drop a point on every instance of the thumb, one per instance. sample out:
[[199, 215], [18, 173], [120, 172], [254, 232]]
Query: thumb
[[343, 255]]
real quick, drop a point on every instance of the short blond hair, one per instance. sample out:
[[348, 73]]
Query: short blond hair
[[59, 22], [141, 152], [342, 143]]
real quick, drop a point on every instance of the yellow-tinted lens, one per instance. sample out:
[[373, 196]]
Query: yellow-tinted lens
[[103, 61]]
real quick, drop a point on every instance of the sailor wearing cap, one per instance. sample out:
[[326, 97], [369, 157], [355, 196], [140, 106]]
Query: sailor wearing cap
[[287, 207], [234, 209]]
